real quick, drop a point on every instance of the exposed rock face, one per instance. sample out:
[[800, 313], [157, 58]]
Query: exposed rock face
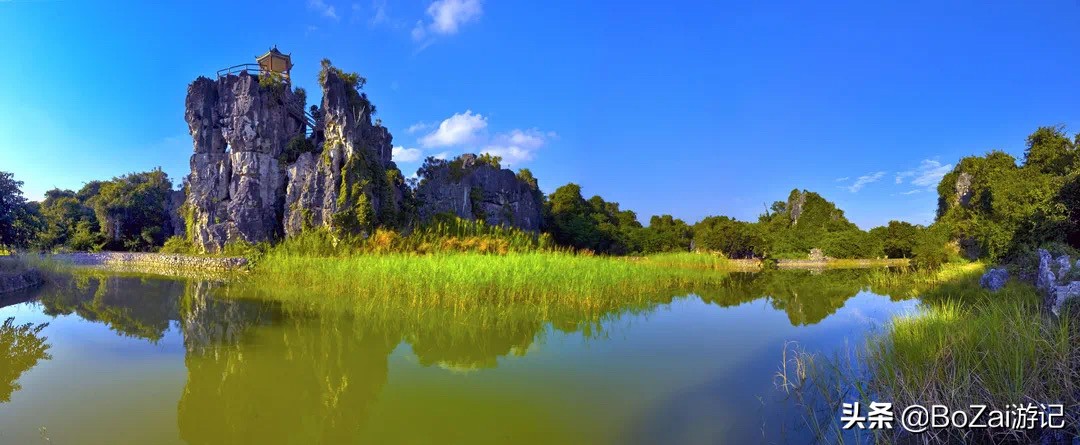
[[1050, 280], [236, 189], [795, 206], [994, 279], [817, 255], [963, 189], [173, 205], [352, 185], [476, 190]]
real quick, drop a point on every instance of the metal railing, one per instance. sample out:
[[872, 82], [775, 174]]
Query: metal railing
[[298, 112], [251, 68]]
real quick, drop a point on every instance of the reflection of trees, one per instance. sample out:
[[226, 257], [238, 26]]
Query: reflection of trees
[[281, 372], [21, 347], [131, 306], [458, 347], [806, 296], [298, 380]]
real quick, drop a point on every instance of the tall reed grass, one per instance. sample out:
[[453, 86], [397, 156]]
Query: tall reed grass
[[963, 346], [541, 281]]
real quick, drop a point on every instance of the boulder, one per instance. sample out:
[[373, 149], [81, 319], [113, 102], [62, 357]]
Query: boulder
[[1044, 278], [994, 279], [474, 189], [1049, 280]]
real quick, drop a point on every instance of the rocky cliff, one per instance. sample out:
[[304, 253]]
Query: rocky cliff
[[236, 188], [472, 188], [256, 177], [351, 185]]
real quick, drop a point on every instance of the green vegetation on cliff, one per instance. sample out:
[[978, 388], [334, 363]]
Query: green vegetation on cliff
[[997, 208]]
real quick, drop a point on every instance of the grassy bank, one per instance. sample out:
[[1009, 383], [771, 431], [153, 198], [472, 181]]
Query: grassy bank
[[963, 346], [543, 281]]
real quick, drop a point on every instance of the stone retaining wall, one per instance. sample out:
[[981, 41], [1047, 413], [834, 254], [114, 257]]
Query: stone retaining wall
[[843, 263], [154, 261]]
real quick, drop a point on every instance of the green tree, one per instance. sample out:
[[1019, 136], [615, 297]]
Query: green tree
[[665, 233], [898, 238], [131, 210], [14, 228], [933, 247], [792, 228], [733, 238], [64, 212], [1050, 151], [853, 243], [993, 207], [594, 224]]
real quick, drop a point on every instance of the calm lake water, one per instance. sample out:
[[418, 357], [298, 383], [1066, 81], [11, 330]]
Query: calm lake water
[[137, 360]]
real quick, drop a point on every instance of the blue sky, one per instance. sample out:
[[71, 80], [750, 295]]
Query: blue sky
[[687, 108]]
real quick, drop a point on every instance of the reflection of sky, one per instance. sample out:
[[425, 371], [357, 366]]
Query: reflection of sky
[[684, 370], [97, 384], [684, 366]]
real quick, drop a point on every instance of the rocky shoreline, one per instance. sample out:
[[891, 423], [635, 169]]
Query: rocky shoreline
[[153, 261]]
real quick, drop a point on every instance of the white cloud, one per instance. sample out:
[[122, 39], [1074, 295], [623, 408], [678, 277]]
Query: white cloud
[[459, 129], [468, 132], [417, 127], [323, 8], [928, 174], [911, 192], [863, 180], [380, 15], [845, 178], [446, 17], [402, 154], [418, 32], [517, 146]]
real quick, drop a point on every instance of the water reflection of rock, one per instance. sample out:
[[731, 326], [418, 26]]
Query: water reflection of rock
[[303, 380], [21, 347], [214, 323], [268, 373], [313, 379]]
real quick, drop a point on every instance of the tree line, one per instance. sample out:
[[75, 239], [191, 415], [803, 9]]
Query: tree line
[[789, 229], [989, 207], [125, 213]]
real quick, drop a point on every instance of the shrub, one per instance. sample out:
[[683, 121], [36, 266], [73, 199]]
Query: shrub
[[180, 245], [297, 146], [272, 81]]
